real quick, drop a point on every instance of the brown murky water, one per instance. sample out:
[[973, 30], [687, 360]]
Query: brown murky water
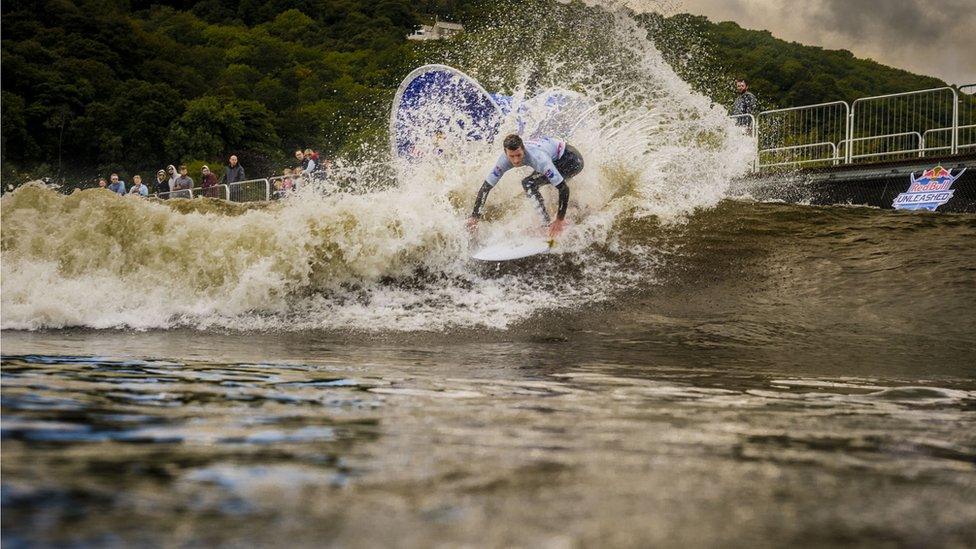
[[793, 376]]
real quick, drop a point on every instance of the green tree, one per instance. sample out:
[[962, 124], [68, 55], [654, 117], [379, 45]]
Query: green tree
[[211, 127]]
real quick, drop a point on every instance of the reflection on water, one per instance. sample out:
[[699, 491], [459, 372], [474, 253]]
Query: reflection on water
[[792, 376], [393, 449]]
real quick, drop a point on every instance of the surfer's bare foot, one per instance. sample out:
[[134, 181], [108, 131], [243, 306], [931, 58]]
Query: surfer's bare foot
[[472, 224]]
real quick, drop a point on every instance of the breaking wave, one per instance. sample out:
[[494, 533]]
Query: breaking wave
[[395, 256]]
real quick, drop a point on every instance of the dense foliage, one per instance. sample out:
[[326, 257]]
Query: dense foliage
[[91, 86], [782, 74], [102, 84]]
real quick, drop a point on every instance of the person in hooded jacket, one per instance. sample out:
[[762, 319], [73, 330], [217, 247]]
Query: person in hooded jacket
[[173, 176], [209, 183], [162, 185]]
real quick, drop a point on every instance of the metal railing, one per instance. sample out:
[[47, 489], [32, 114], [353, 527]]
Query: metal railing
[[899, 125], [280, 190], [871, 129], [876, 146], [967, 118], [967, 139], [182, 193], [929, 135], [900, 114], [797, 155], [251, 190], [748, 123], [215, 191], [801, 135], [744, 120]]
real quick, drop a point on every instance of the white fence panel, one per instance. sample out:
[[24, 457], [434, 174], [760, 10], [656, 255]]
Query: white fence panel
[[744, 120], [184, 193], [252, 190], [799, 155], [904, 144], [966, 141], [882, 127], [939, 140], [747, 123], [799, 136], [282, 185], [216, 191]]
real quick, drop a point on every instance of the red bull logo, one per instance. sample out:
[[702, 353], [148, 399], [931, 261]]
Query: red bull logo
[[928, 192]]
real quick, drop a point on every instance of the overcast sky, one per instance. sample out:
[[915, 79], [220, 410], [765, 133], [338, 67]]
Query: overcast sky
[[931, 37]]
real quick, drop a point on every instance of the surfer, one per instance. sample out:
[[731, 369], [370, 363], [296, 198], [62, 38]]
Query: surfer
[[552, 160]]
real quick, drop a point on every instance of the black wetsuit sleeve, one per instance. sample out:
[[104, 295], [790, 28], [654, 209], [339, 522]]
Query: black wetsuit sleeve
[[563, 200], [479, 202]]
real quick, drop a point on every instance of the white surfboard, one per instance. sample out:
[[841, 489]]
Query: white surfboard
[[507, 251]]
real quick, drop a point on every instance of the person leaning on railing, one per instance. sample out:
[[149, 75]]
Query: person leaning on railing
[[233, 172], [183, 184], [173, 176], [162, 185], [283, 185], [137, 187], [306, 164], [208, 181], [117, 186]]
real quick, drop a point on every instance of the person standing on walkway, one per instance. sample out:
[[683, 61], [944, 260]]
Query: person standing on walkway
[[745, 104], [183, 184], [117, 186], [208, 181], [162, 185], [137, 186], [173, 176], [233, 173]]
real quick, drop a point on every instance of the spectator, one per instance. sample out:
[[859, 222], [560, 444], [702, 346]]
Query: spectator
[[183, 184], [309, 153], [137, 186], [162, 185], [117, 186], [209, 182], [745, 103], [173, 176], [284, 185], [305, 161], [102, 183], [320, 162], [233, 172]]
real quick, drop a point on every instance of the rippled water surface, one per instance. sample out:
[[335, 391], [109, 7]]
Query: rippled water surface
[[773, 387]]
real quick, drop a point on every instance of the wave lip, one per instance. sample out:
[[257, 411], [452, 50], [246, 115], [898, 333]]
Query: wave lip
[[391, 255]]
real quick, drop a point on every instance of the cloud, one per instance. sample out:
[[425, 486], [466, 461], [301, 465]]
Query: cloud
[[933, 37]]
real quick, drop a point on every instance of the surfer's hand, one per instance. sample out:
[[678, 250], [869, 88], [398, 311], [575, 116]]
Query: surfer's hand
[[472, 224], [556, 227]]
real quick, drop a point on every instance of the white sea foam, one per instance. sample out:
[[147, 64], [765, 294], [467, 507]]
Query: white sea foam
[[393, 258]]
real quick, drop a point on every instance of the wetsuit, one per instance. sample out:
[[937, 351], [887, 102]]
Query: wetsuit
[[552, 161]]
